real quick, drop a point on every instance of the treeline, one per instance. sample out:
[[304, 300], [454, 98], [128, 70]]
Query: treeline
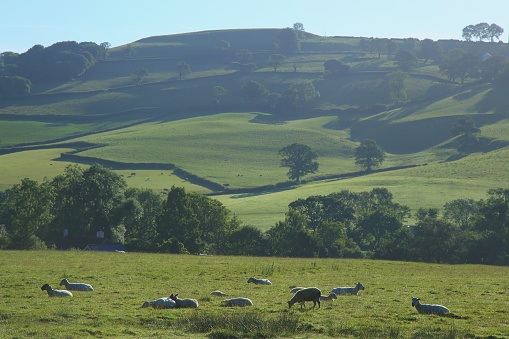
[[339, 225], [59, 62]]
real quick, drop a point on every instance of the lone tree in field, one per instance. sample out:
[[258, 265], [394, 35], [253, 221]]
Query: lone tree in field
[[183, 68], [468, 133], [369, 154], [138, 75], [300, 159]]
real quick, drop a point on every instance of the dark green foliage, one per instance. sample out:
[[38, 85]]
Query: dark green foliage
[[138, 75], [253, 92], [405, 60], [247, 240], [335, 68], [183, 69], [482, 31], [429, 50], [300, 159], [468, 133], [459, 64], [14, 87], [276, 60], [369, 154], [298, 96], [287, 40]]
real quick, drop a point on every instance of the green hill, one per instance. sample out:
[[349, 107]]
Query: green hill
[[233, 145]]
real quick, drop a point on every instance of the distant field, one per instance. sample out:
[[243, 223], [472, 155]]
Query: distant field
[[476, 295]]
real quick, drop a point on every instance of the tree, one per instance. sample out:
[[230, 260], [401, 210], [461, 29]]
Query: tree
[[276, 60], [369, 154], [468, 32], [397, 85], [183, 69], [467, 131], [405, 60], [429, 49], [335, 68], [461, 212], [482, 31], [458, 63], [286, 40], [253, 92], [104, 47], [298, 26], [222, 45], [14, 87], [300, 159], [138, 75], [218, 92], [494, 31], [298, 95], [494, 67]]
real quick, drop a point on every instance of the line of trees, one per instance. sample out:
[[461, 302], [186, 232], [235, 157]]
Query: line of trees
[[339, 225]]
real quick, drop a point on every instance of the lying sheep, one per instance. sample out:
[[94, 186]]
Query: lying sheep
[[218, 293], [184, 303], [296, 289], [76, 286], [348, 290], [259, 281], [55, 293], [330, 297], [307, 294], [428, 308], [237, 302], [161, 303]]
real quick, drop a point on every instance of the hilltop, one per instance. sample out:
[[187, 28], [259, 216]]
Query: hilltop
[[171, 128]]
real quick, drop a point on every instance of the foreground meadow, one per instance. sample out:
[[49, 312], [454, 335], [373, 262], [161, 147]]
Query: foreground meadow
[[477, 296]]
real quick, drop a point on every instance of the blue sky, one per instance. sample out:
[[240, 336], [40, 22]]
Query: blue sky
[[26, 23]]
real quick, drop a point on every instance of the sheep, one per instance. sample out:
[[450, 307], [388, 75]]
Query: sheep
[[330, 297], [259, 281], [296, 289], [218, 293], [307, 294], [348, 290], [184, 303], [161, 303], [55, 293], [428, 308], [76, 286], [238, 302]]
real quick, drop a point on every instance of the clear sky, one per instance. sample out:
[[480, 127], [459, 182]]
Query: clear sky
[[25, 23]]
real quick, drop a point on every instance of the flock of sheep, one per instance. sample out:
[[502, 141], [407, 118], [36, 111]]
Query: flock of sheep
[[301, 295]]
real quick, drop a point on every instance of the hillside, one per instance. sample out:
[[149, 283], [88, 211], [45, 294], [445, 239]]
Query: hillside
[[209, 145]]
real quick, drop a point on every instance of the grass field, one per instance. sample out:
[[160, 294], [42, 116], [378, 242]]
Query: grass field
[[476, 295]]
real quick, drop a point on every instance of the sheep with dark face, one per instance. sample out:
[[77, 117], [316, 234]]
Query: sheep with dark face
[[55, 293], [428, 308], [161, 303], [307, 294]]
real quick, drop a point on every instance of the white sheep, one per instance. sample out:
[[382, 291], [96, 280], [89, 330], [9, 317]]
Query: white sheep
[[161, 303], [307, 294], [237, 302], [330, 297], [348, 290], [218, 293], [55, 293], [184, 303], [428, 308], [76, 286], [296, 289], [259, 281]]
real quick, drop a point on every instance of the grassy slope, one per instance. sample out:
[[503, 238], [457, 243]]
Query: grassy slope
[[476, 295]]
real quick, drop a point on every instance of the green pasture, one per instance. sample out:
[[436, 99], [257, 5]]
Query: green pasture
[[476, 295]]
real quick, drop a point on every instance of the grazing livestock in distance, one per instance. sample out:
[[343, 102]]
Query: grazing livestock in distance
[[307, 294], [76, 286], [237, 302], [428, 308], [184, 303], [259, 281], [348, 290], [55, 293]]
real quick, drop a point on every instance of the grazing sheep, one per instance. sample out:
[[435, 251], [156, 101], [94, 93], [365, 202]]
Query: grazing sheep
[[296, 289], [55, 293], [218, 293], [307, 294], [161, 303], [428, 308], [330, 297], [184, 303], [348, 290], [76, 286], [259, 281], [237, 302]]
